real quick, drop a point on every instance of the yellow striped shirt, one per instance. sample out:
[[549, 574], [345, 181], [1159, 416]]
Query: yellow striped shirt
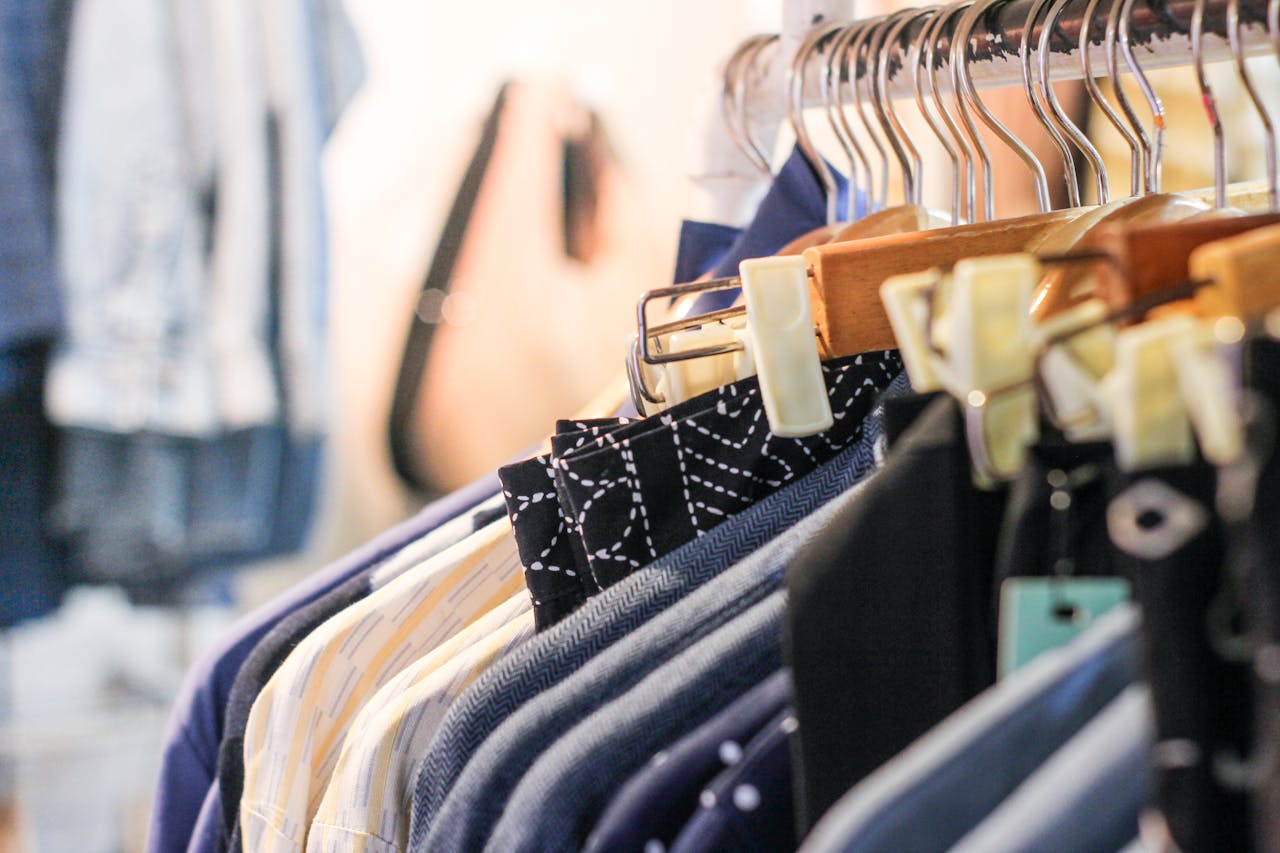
[[367, 805], [299, 720]]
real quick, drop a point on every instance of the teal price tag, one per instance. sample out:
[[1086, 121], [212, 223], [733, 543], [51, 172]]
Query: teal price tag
[[1039, 614]]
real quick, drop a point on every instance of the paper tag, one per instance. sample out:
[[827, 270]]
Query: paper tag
[[1039, 614]]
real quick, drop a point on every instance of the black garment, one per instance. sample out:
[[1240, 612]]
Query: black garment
[[555, 565], [648, 488], [1170, 544], [888, 629], [268, 656], [1039, 539], [1256, 552]]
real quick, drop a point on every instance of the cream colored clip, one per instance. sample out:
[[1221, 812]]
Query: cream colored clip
[[906, 301], [1078, 351], [1209, 388], [1148, 411], [683, 380], [990, 360], [780, 322]]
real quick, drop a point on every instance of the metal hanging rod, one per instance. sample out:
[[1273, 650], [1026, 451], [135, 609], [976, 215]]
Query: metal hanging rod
[[1159, 30]]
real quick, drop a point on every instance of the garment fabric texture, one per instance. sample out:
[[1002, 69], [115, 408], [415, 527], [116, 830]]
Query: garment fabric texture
[[602, 620], [483, 790], [365, 805], [1255, 556], [714, 454], [561, 796], [1087, 796], [749, 806], [949, 781], [794, 204], [556, 573], [1170, 542], [905, 573], [190, 753], [32, 573], [274, 648], [656, 802], [33, 47], [300, 718], [702, 246]]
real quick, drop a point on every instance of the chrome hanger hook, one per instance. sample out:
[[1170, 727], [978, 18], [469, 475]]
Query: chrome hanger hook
[[1095, 94], [855, 56], [1069, 127], [733, 101], [1033, 97], [908, 154], [1210, 102], [1126, 106], [795, 113], [959, 76], [1246, 80], [916, 59], [960, 66], [965, 145], [1148, 92], [831, 78]]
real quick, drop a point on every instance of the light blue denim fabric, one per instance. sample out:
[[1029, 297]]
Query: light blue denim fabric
[[1087, 797], [606, 618], [559, 799], [481, 793], [947, 782]]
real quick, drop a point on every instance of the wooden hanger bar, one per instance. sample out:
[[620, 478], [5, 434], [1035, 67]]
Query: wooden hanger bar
[[845, 277], [1152, 259]]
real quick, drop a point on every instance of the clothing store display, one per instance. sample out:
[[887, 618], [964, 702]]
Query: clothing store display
[[1019, 591], [605, 618], [750, 805], [655, 803]]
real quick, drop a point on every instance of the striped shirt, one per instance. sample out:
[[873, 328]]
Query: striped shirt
[[299, 721], [367, 804]]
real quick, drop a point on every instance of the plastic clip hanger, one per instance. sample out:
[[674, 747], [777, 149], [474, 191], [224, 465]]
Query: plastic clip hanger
[[780, 324]]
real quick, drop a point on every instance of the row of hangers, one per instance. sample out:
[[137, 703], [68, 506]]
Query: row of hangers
[[1108, 319]]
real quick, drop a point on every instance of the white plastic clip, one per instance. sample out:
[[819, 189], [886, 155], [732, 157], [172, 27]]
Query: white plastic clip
[[1209, 389], [1072, 368], [1147, 407], [689, 378], [780, 321], [905, 299], [989, 359]]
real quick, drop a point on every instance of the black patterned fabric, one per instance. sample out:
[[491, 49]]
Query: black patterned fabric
[[641, 491], [554, 563]]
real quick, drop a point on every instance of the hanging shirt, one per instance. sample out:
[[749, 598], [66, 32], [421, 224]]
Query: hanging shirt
[[195, 726], [299, 719], [560, 797], [749, 806], [1087, 796], [650, 809], [366, 804], [604, 619], [483, 790]]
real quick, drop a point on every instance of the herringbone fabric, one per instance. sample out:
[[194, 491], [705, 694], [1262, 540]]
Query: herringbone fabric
[[481, 793], [601, 621], [558, 801]]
